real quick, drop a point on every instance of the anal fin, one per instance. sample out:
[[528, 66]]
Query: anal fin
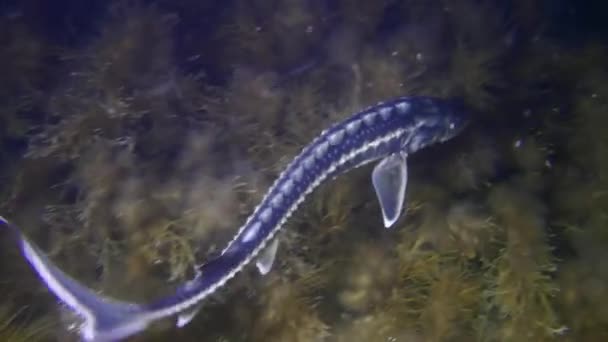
[[187, 316], [266, 258]]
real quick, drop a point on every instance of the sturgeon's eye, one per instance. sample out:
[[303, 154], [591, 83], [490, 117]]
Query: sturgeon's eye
[[452, 126]]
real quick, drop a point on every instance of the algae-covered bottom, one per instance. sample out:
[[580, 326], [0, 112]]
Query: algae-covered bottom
[[136, 139]]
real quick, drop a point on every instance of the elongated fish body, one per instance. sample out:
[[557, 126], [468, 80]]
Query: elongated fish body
[[388, 131]]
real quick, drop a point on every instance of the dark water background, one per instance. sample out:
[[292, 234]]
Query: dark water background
[[136, 137]]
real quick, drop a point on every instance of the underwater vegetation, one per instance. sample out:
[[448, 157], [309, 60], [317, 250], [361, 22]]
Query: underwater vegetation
[[15, 326], [134, 155]]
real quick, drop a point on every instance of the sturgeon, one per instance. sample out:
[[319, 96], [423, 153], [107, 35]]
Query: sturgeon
[[386, 132]]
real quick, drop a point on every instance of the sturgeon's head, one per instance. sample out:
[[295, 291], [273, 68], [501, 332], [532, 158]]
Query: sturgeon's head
[[455, 118]]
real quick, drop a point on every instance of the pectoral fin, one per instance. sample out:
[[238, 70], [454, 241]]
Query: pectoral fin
[[390, 181], [266, 258], [187, 316]]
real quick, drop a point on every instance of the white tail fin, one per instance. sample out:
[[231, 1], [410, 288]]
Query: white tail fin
[[104, 319]]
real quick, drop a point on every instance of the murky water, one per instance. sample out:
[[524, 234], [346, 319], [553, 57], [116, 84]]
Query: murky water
[[138, 137]]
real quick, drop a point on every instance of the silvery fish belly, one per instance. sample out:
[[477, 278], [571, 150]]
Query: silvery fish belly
[[387, 132]]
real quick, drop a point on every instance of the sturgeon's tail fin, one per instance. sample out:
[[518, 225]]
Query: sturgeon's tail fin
[[104, 319]]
